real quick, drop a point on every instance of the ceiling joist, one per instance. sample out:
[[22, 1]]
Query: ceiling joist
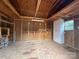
[[37, 8], [67, 10], [40, 9], [11, 7], [22, 17]]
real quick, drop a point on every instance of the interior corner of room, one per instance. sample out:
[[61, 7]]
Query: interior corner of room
[[39, 29]]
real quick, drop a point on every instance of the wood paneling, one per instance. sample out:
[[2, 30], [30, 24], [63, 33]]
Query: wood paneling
[[59, 6], [72, 36], [36, 30], [67, 11], [18, 29], [44, 8], [6, 10], [28, 7], [70, 39]]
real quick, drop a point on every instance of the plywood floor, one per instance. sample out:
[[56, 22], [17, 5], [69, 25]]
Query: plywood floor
[[36, 49]]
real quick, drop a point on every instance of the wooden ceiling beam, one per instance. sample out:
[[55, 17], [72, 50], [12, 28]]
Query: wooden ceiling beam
[[66, 11], [4, 9], [11, 7], [53, 5], [5, 15], [28, 17], [22, 17], [7, 3], [37, 8]]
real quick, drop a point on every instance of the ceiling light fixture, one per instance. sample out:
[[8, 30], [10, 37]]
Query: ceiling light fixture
[[37, 20]]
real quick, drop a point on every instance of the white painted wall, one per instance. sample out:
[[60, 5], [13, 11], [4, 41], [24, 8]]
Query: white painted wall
[[58, 32]]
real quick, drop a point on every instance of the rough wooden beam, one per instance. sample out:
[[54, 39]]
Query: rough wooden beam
[[66, 11], [6, 21], [2, 14], [25, 17], [37, 8], [11, 7]]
